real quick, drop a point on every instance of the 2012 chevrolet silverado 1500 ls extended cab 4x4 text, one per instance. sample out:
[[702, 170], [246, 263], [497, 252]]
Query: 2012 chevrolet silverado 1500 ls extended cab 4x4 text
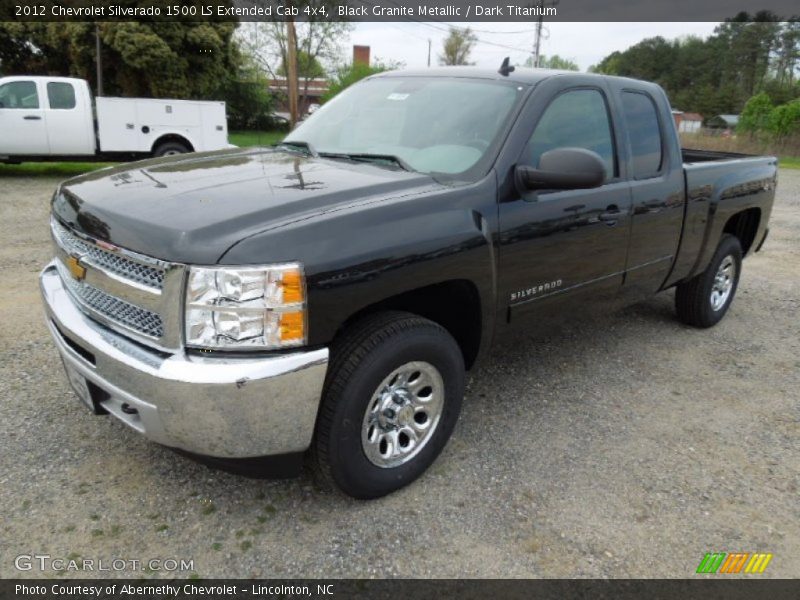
[[325, 297]]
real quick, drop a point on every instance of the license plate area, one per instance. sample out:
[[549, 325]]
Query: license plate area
[[88, 393]]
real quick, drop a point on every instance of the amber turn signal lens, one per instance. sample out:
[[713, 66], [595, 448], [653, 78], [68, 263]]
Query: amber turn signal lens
[[292, 283], [292, 326]]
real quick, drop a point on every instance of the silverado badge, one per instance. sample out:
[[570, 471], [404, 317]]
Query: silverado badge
[[76, 268], [536, 290]]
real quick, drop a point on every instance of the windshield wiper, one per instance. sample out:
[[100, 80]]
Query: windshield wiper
[[367, 157], [299, 144]]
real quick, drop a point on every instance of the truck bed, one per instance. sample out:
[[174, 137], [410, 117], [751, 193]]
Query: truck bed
[[718, 186], [691, 155]]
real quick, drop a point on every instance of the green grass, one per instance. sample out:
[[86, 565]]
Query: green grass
[[789, 162], [255, 138], [50, 169], [64, 170]]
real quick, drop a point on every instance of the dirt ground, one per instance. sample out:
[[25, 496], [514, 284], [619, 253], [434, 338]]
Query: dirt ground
[[625, 447]]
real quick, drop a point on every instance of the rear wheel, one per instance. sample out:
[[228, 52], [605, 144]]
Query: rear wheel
[[170, 149], [391, 400], [703, 300]]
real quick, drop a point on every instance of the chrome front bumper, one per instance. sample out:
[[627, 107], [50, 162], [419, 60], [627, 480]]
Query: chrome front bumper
[[225, 408]]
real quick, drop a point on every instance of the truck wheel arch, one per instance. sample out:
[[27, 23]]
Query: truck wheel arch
[[454, 304], [744, 225], [171, 138]]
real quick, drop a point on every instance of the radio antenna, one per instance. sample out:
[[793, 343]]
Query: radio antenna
[[506, 68]]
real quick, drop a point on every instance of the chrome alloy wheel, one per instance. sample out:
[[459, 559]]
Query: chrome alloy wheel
[[402, 414], [723, 283]]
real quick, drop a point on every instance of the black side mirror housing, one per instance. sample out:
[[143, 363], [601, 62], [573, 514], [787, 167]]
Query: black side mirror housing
[[563, 169]]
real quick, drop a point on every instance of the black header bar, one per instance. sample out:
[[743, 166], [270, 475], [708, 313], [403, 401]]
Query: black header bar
[[546, 589], [520, 11]]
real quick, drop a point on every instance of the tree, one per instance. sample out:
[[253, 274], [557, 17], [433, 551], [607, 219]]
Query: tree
[[347, 75], [554, 62], [457, 47], [787, 54], [318, 44], [748, 43], [755, 114], [15, 51], [784, 120], [318, 41], [249, 103], [308, 67], [610, 65], [745, 55], [193, 60]]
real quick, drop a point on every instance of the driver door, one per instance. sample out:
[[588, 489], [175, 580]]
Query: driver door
[[562, 250]]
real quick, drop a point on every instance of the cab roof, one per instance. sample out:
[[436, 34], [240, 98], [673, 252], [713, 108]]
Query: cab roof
[[521, 75]]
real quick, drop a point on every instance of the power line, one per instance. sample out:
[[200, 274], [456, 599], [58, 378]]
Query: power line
[[520, 31], [416, 35], [449, 27], [477, 39]]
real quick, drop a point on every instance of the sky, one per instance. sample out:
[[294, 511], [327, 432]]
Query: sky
[[584, 43]]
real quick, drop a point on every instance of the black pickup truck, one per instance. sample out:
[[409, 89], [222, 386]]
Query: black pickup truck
[[323, 298]]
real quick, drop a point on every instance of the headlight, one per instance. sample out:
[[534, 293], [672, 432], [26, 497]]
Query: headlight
[[253, 307]]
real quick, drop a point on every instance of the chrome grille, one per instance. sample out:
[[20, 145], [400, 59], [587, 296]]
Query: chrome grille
[[135, 294], [115, 309], [150, 276]]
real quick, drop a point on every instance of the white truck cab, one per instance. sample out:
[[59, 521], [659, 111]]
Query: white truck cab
[[49, 117]]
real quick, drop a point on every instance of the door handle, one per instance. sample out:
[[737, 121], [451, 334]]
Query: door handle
[[32, 118], [611, 216]]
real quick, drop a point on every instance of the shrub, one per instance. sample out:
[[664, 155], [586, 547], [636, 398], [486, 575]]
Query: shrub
[[249, 104], [784, 120], [755, 114]]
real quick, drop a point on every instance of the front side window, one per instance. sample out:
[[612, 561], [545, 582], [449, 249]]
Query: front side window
[[644, 134], [61, 95], [19, 94], [575, 119], [435, 125]]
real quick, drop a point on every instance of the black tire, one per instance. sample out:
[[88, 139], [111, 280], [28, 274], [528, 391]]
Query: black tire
[[361, 360], [693, 298], [170, 149]]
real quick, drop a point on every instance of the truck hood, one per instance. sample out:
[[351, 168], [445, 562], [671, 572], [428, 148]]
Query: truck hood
[[193, 208]]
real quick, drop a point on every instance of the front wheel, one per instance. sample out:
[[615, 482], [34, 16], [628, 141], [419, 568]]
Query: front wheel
[[703, 300], [391, 400]]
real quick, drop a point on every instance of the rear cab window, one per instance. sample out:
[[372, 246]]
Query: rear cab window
[[61, 95], [644, 134]]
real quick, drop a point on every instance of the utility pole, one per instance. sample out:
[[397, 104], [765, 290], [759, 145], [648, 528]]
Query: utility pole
[[537, 45], [429, 53], [291, 70], [98, 59]]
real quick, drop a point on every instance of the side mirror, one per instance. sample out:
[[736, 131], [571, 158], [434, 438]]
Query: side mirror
[[563, 169]]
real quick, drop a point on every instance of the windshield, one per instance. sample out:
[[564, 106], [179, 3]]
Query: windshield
[[431, 125]]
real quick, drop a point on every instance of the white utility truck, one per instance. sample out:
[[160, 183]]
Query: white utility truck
[[52, 118]]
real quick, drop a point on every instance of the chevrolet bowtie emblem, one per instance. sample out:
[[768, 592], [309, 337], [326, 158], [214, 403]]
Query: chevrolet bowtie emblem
[[76, 268]]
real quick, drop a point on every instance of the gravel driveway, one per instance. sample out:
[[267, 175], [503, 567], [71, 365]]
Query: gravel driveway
[[624, 447]]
